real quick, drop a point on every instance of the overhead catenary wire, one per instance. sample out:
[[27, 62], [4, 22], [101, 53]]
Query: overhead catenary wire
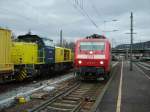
[[92, 21], [79, 2], [95, 9], [79, 6], [76, 8]]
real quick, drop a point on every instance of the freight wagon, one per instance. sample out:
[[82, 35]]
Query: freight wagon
[[6, 66]]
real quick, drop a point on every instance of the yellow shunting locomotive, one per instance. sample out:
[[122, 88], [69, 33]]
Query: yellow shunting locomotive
[[24, 54], [30, 56], [63, 58]]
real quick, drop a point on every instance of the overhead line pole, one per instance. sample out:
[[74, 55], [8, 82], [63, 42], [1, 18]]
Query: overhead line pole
[[131, 42], [61, 40], [131, 46]]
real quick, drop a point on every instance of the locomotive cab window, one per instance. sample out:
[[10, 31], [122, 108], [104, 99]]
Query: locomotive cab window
[[48, 42], [92, 46]]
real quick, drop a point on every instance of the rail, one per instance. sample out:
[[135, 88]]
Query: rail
[[82, 96], [45, 104], [144, 66]]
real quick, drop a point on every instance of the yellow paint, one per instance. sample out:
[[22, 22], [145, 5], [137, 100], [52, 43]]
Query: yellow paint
[[62, 55], [22, 100], [24, 53], [72, 56], [5, 50], [22, 75]]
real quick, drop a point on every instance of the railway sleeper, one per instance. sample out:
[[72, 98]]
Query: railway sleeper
[[81, 91], [63, 105], [78, 93], [69, 101], [85, 89], [75, 96], [71, 98], [87, 106], [55, 109]]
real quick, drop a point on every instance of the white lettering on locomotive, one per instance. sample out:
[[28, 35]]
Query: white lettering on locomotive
[[84, 56]]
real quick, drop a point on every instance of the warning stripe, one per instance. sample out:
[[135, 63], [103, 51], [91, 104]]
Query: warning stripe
[[22, 75]]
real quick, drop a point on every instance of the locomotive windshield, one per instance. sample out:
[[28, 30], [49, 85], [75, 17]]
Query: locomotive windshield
[[48, 42], [92, 45]]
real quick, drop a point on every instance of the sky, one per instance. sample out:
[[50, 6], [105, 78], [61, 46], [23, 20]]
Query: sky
[[77, 18]]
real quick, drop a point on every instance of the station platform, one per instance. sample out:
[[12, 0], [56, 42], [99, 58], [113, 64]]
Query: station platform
[[129, 91]]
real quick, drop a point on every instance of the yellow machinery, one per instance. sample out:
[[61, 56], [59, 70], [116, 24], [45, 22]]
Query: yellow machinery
[[6, 66], [62, 55]]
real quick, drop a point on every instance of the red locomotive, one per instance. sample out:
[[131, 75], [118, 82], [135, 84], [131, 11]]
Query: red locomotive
[[93, 57]]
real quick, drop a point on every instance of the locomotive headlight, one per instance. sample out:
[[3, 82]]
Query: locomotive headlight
[[79, 61], [91, 52], [101, 62]]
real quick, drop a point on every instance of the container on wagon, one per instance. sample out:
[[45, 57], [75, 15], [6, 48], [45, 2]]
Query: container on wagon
[[6, 65]]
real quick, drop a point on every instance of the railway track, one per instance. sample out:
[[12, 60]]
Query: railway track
[[144, 66], [70, 96], [79, 98]]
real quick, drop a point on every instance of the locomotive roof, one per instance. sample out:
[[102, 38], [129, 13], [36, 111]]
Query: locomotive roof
[[33, 38], [91, 39], [94, 37], [5, 29], [62, 47]]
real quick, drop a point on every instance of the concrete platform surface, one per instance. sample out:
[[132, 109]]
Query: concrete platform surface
[[129, 91]]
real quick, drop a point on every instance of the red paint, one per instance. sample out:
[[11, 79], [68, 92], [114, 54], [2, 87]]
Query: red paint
[[89, 61]]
